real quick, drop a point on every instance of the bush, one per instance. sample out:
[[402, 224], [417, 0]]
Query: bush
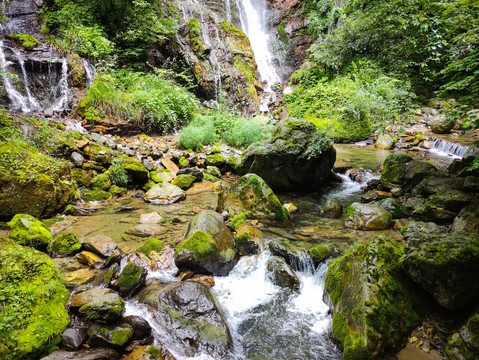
[[221, 125], [348, 105], [150, 100]]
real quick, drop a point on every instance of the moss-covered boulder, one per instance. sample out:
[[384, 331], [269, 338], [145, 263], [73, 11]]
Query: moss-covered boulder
[[281, 274], [117, 190], [216, 160], [149, 352], [467, 221], [88, 296], [95, 195], [443, 207], [99, 154], [296, 156], [150, 245], [65, 244], [464, 344], [33, 183], [190, 318], [26, 230], [253, 197], [332, 209], [441, 125], [108, 307], [160, 176], [446, 266], [323, 252], [164, 194], [32, 302], [208, 247], [110, 336], [101, 182], [373, 303], [367, 217], [394, 207], [28, 42], [131, 279], [184, 181], [401, 171], [137, 172]]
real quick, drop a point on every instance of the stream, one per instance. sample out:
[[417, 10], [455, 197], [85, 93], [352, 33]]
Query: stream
[[266, 321]]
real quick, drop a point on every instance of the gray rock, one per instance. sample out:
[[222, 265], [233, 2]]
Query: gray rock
[[471, 184], [111, 336], [109, 307], [148, 165], [467, 221], [72, 339], [146, 230], [443, 207], [197, 173], [367, 217], [141, 327], [440, 125], [281, 274], [394, 207], [332, 209], [164, 194], [77, 159], [416, 228], [435, 184], [101, 245], [296, 156], [384, 141]]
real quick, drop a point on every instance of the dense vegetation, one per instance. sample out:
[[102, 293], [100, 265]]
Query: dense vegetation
[[405, 48]]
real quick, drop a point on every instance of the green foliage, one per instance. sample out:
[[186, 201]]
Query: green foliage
[[151, 100], [118, 175], [224, 125], [345, 106], [28, 42], [432, 43], [107, 30]]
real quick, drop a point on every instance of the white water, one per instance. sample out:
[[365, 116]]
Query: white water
[[350, 187], [34, 104], [19, 101], [446, 148], [255, 28], [89, 70], [264, 319], [62, 103]]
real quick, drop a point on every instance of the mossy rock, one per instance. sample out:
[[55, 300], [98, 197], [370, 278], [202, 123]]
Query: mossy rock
[[150, 245], [108, 307], [210, 178], [99, 154], [253, 197], [446, 266], [148, 185], [237, 221], [443, 207], [111, 336], [101, 182], [160, 176], [281, 274], [95, 195], [117, 190], [248, 240], [131, 279], [138, 173], [27, 230], [33, 303], [320, 253], [184, 181], [464, 344], [215, 160], [65, 244], [28, 42], [33, 183], [367, 217], [375, 306]]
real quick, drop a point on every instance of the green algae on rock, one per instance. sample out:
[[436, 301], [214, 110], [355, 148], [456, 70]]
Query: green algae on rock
[[372, 300], [367, 217], [33, 301], [131, 279], [65, 244], [150, 245], [251, 195], [464, 344], [101, 335], [108, 307]]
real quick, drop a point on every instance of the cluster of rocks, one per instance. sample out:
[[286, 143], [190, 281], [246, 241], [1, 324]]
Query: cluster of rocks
[[380, 290]]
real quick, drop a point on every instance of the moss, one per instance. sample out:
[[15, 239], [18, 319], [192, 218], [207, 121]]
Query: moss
[[109, 307], [237, 221], [242, 239], [201, 244], [393, 168], [228, 28], [232, 161], [117, 191], [215, 150], [154, 352], [95, 195], [27, 230], [228, 254], [148, 185], [349, 212], [183, 162], [210, 178], [184, 181], [136, 171], [355, 349], [156, 176], [69, 210], [121, 337], [33, 299], [28, 42], [320, 253], [77, 70], [282, 34], [65, 244], [215, 160], [152, 244], [340, 328], [51, 221], [194, 37], [101, 182], [129, 277]]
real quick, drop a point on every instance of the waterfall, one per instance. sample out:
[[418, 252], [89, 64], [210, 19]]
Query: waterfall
[[228, 10], [31, 99], [62, 103], [89, 70], [18, 100], [215, 66], [255, 28], [446, 148]]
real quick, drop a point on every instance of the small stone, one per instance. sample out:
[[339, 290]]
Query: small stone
[[72, 339], [88, 258], [290, 207], [151, 218], [146, 230]]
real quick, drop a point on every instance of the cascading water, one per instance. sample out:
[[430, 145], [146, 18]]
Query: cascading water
[[62, 103], [19, 102], [446, 148], [89, 70], [255, 27], [34, 104]]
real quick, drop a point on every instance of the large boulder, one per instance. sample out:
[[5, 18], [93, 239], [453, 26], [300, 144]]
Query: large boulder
[[296, 156], [110, 336], [467, 221], [374, 308], [441, 125], [253, 197], [189, 318], [208, 246], [32, 301], [367, 217], [108, 307], [131, 279], [446, 266], [401, 171], [33, 183], [164, 194], [442, 207]]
